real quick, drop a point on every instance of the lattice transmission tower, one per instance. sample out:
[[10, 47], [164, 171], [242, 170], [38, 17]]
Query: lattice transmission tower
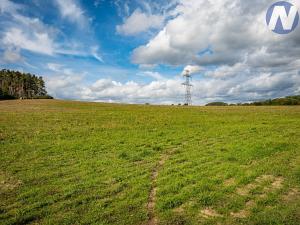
[[188, 86]]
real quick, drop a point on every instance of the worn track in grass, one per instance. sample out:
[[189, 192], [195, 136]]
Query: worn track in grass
[[153, 219]]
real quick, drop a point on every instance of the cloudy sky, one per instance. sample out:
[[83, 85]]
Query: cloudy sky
[[134, 51]]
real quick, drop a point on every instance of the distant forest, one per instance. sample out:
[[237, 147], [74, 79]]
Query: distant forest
[[289, 100], [17, 85]]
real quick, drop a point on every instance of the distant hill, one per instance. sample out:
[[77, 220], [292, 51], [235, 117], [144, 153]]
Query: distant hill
[[289, 100], [16, 85]]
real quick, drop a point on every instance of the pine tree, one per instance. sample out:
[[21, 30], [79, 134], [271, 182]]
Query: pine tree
[[14, 84]]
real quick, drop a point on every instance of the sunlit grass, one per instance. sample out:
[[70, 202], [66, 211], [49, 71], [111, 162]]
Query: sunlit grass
[[71, 162]]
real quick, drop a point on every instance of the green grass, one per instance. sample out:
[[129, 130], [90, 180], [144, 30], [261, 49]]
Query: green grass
[[90, 163]]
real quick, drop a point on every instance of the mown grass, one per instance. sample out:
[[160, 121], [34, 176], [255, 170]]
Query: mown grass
[[66, 162]]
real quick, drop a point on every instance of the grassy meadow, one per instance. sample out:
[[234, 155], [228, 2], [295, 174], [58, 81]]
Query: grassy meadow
[[65, 162]]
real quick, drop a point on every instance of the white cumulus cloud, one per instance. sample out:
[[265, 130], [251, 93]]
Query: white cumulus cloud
[[71, 10], [139, 22], [218, 32], [33, 41], [192, 69]]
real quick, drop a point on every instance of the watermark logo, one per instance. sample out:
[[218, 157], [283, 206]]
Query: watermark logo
[[282, 17]]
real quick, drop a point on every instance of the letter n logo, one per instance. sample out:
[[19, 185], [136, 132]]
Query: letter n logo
[[282, 17]]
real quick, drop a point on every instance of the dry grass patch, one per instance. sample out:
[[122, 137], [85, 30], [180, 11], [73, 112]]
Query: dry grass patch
[[277, 183], [246, 189], [264, 178], [244, 213], [292, 195], [8, 183], [250, 204], [179, 210], [209, 212], [229, 182], [240, 214]]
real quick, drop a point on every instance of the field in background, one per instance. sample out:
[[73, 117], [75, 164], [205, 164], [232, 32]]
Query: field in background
[[90, 163]]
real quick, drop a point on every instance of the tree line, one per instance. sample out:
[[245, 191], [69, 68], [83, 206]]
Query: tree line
[[17, 85], [289, 100]]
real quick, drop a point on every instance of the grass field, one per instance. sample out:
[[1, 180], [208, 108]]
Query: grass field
[[66, 162]]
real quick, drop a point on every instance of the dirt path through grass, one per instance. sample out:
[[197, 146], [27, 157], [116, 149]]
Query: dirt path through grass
[[153, 220]]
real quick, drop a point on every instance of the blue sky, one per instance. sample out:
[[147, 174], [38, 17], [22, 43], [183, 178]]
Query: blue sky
[[94, 29], [134, 51]]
